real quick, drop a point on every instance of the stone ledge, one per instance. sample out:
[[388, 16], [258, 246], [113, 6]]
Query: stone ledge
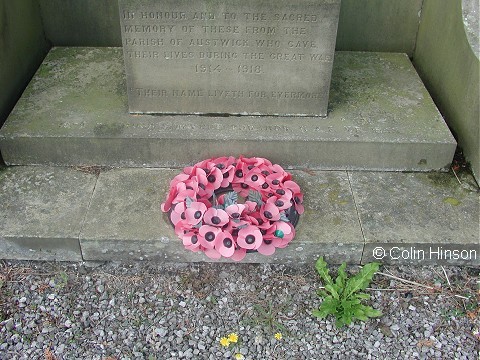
[[42, 212], [66, 215], [74, 111]]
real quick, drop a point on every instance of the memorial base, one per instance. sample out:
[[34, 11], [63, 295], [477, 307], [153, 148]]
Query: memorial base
[[75, 111]]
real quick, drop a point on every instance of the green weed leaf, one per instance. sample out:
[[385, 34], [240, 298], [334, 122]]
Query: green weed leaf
[[362, 279], [343, 298], [341, 277], [322, 269]]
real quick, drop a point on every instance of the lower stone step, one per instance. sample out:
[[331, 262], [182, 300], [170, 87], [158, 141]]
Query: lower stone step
[[75, 214], [74, 111]]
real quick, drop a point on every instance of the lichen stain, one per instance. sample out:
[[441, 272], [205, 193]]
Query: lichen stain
[[337, 220], [444, 180], [334, 196], [452, 201]]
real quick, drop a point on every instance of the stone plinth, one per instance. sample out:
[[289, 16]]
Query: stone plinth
[[75, 111]]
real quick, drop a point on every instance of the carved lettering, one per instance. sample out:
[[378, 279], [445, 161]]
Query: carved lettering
[[149, 92], [158, 15], [273, 55], [260, 30], [143, 42], [255, 16], [203, 16], [187, 93], [296, 17], [220, 29], [149, 28], [302, 44], [295, 31], [219, 42]]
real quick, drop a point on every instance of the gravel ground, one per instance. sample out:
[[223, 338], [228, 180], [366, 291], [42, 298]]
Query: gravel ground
[[149, 311]]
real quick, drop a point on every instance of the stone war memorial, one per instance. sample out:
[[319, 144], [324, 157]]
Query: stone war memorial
[[363, 102], [229, 57]]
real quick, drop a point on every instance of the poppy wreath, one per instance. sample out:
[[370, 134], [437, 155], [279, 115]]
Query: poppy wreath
[[227, 207]]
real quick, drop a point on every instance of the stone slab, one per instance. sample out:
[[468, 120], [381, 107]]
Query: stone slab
[[418, 218], [65, 215], [228, 56], [125, 221], [42, 211], [75, 111]]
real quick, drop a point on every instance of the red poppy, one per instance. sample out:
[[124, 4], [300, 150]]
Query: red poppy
[[168, 203], [274, 181], [255, 179], [183, 193], [241, 188], [213, 254], [201, 178], [269, 212], [192, 184], [279, 229], [255, 162], [228, 175], [249, 237], [214, 179], [267, 248], [283, 242], [282, 202], [235, 211], [178, 213], [251, 206], [233, 227], [239, 254], [194, 213], [255, 219], [181, 228], [180, 178], [191, 241], [224, 163], [208, 236], [297, 195], [279, 170], [225, 244], [241, 169], [216, 217], [282, 238]]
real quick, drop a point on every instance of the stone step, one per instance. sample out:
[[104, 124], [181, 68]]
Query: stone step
[[74, 111], [78, 214]]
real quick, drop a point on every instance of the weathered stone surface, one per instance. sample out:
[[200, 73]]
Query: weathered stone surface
[[378, 25], [125, 221], [45, 214], [418, 218], [270, 57], [75, 112], [42, 211], [449, 65], [22, 48]]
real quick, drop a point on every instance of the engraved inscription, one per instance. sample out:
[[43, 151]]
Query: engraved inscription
[[182, 57]]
